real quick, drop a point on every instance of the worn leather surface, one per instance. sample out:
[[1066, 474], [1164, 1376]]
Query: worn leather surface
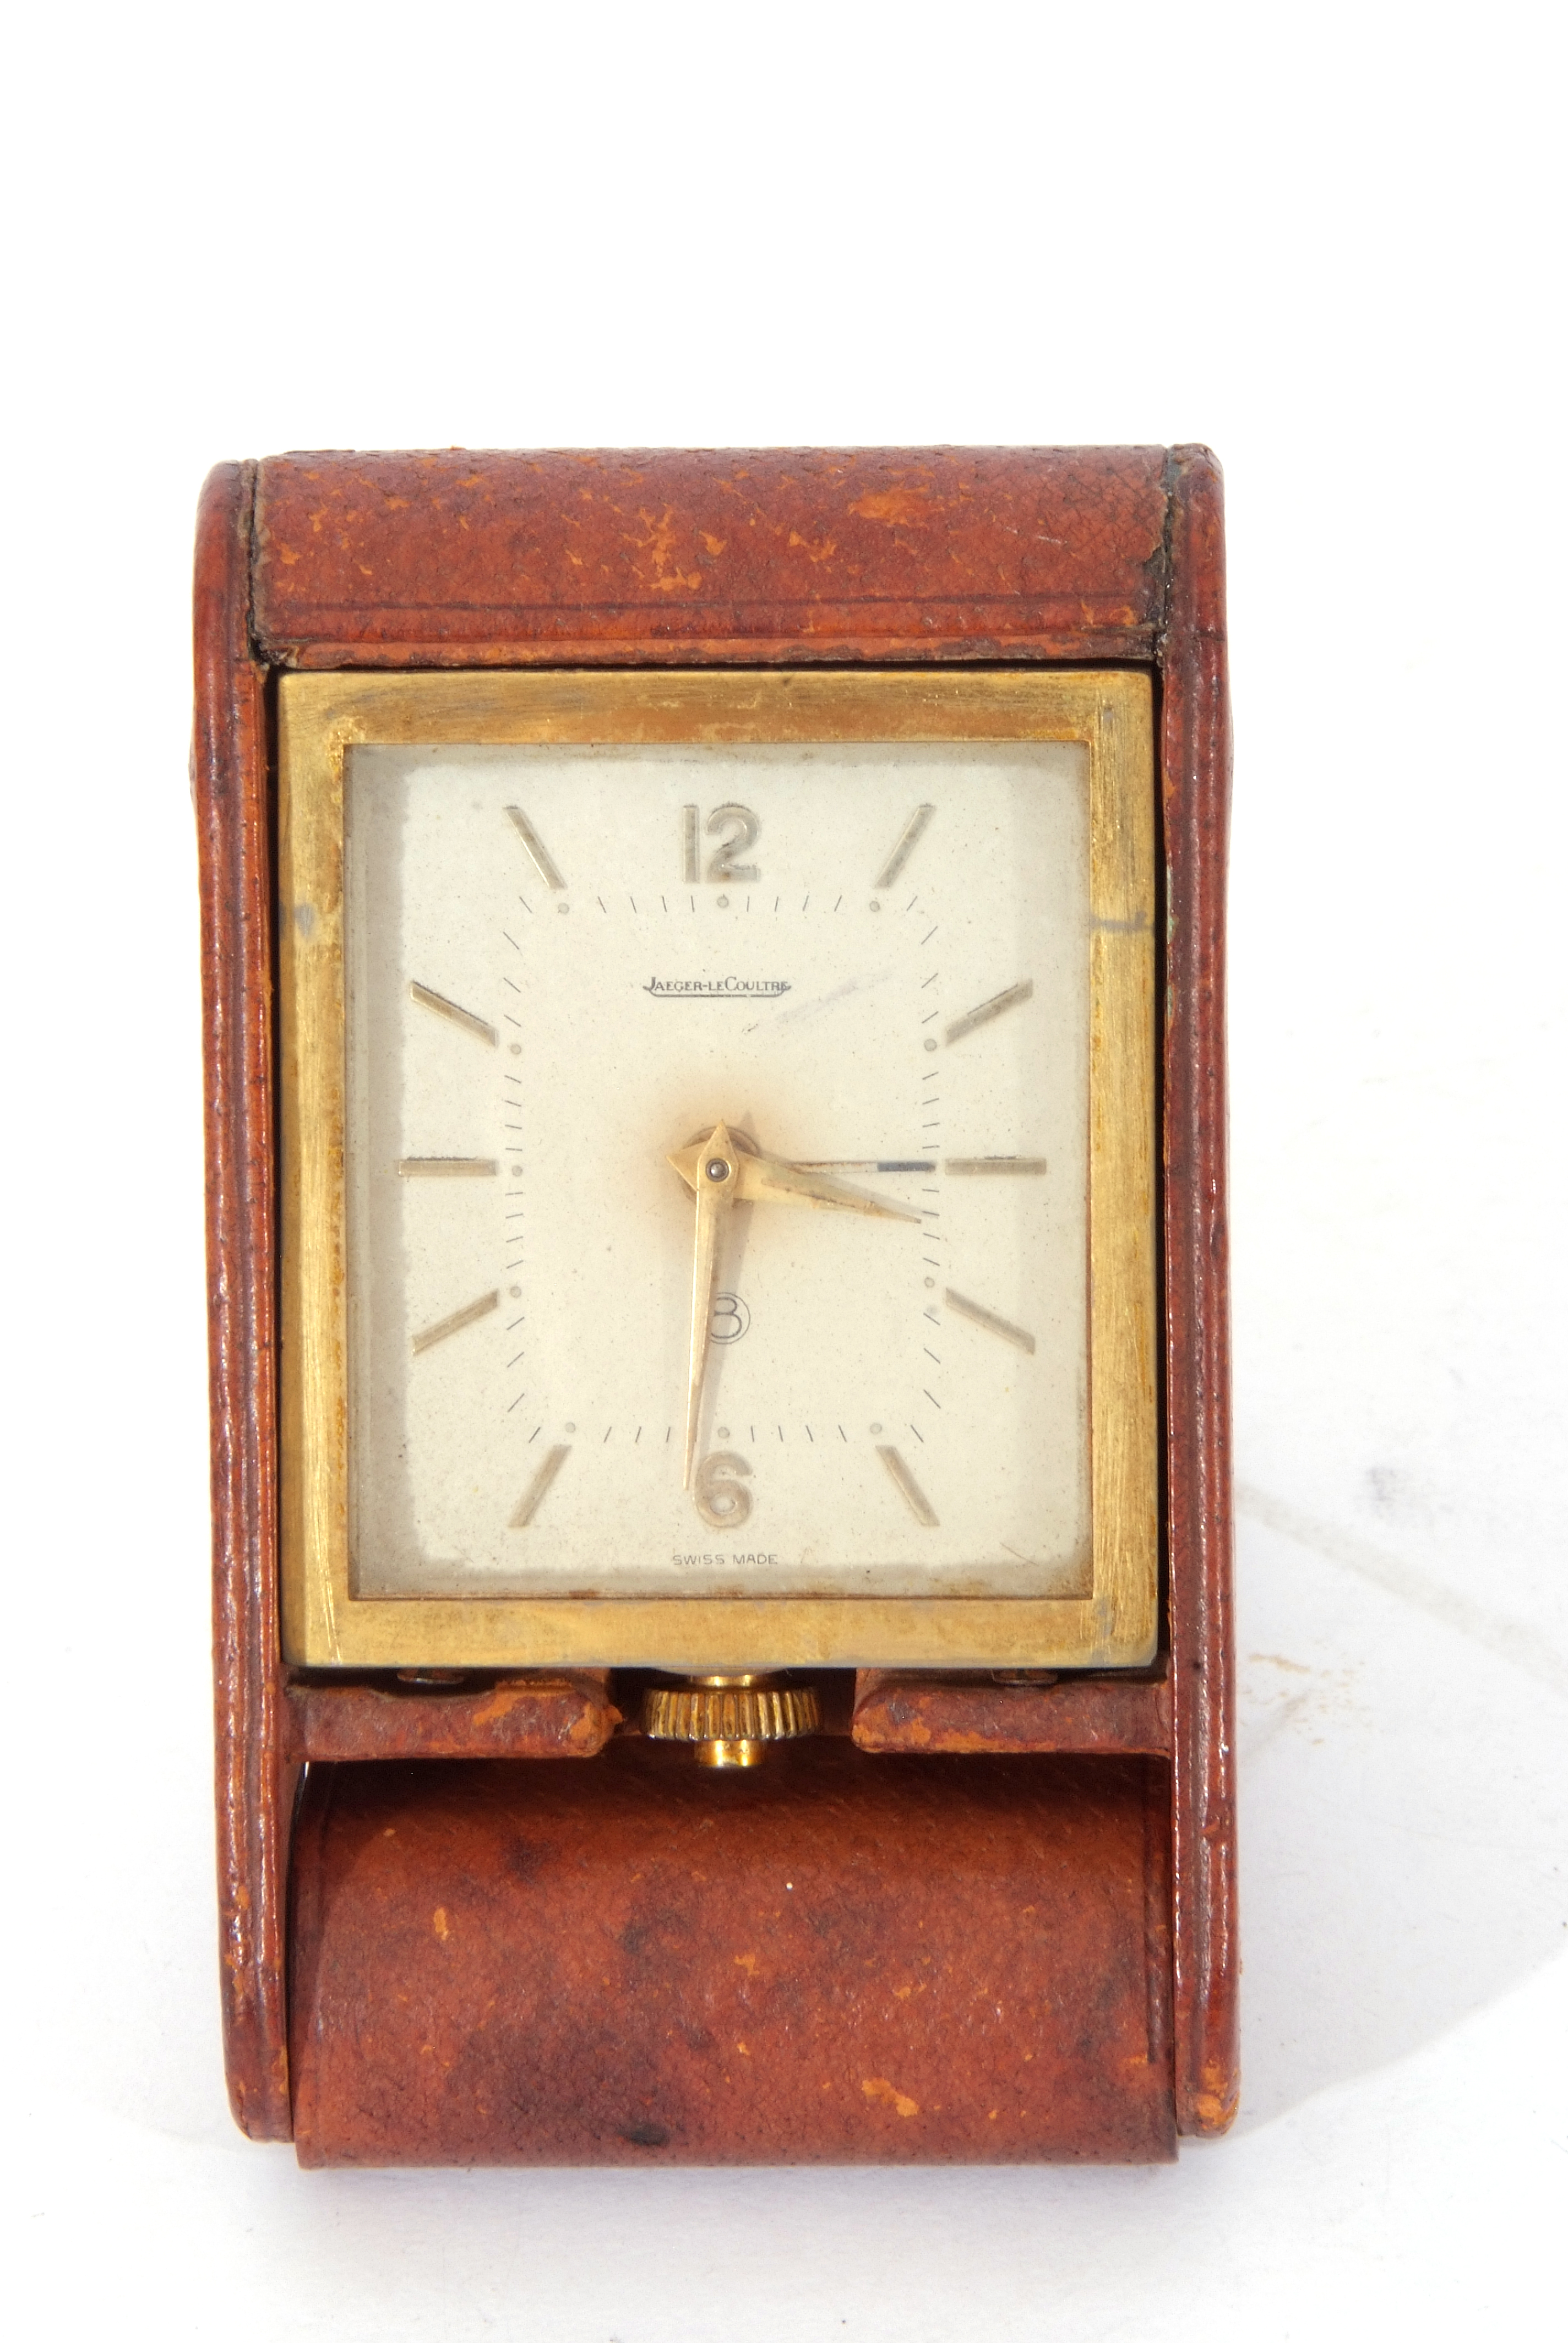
[[254, 1783], [472, 558], [569, 1714], [835, 1959], [1195, 781], [974, 1714]]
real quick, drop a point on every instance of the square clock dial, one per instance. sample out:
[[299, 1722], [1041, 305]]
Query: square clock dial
[[718, 1124]]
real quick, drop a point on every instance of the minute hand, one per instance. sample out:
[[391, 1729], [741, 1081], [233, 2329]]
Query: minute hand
[[709, 1170]]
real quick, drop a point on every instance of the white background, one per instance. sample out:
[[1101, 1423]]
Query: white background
[[1321, 239]]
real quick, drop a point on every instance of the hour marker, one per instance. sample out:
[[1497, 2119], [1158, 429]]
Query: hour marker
[[537, 854], [913, 831], [996, 1166], [689, 865], [910, 1489], [979, 1315], [998, 1006], [456, 1322], [539, 1487], [447, 1167], [463, 1017]]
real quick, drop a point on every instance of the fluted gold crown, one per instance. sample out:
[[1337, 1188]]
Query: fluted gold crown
[[731, 1712]]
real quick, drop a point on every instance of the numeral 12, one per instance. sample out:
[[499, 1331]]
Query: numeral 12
[[736, 827]]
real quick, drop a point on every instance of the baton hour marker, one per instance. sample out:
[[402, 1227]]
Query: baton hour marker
[[464, 1017], [539, 1487], [979, 1315], [914, 830], [455, 1324], [447, 1167], [538, 854], [996, 1006], [910, 1489], [996, 1167]]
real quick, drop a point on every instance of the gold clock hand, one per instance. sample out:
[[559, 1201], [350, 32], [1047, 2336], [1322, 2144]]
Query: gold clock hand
[[709, 1168], [767, 1180], [719, 1172]]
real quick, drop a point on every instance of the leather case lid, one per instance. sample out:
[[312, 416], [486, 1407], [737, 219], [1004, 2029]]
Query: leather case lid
[[467, 558], [836, 1959]]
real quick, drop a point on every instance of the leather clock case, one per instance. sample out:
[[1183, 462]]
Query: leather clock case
[[976, 1922], [836, 1959]]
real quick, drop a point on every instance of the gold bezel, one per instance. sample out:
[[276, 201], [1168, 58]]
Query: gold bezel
[[324, 1624]]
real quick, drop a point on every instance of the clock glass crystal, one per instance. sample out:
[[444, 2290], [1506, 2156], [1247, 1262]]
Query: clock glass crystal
[[719, 1147]]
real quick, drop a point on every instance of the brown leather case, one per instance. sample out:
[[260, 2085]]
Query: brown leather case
[[837, 1960], [980, 1922]]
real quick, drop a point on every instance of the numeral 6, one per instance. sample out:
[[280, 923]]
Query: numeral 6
[[718, 1493]]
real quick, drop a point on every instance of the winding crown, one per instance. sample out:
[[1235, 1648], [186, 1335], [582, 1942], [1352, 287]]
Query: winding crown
[[730, 1709]]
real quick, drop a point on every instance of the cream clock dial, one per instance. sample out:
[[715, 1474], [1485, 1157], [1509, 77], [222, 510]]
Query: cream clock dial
[[717, 1141]]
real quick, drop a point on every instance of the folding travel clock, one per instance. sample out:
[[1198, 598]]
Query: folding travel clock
[[717, 1144]]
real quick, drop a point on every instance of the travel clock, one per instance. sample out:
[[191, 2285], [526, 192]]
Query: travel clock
[[712, 983]]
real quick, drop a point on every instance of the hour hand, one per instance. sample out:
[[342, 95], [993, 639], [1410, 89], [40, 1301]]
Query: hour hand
[[762, 1179], [767, 1180]]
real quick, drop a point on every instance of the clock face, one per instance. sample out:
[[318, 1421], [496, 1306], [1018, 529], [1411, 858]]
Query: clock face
[[718, 1135]]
